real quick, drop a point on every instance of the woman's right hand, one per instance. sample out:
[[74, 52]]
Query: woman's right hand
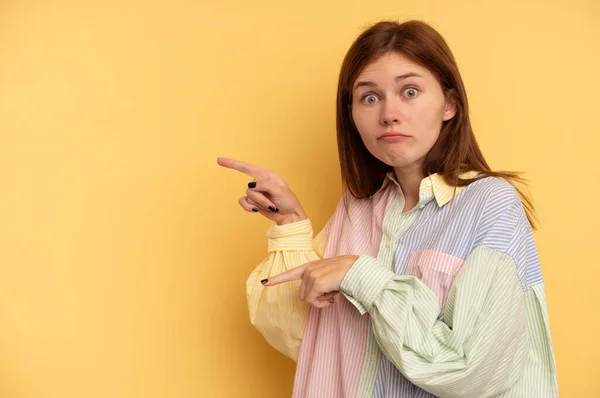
[[268, 194]]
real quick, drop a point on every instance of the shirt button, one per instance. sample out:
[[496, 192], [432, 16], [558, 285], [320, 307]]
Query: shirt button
[[428, 183]]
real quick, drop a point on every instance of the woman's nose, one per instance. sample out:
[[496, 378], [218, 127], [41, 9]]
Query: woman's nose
[[391, 113], [388, 120]]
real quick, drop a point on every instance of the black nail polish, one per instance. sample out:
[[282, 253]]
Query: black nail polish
[[252, 184], [264, 281], [254, 209], [272, 209], [277, 210]]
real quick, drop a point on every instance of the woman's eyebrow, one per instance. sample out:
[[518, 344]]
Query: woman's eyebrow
[[407, 75], [396, 79]]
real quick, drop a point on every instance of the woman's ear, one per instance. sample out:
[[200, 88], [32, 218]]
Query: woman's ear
[[450, 109]]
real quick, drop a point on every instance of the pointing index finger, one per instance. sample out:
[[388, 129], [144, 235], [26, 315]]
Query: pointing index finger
[[294, 274], [238, 165]]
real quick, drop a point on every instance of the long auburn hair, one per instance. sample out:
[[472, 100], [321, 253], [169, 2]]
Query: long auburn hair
[[456, 150]]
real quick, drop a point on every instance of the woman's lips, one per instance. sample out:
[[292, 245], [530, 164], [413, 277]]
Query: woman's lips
[[394, 137]]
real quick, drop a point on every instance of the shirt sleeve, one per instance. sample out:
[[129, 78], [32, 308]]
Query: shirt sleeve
[[277, 311], [480, 347]]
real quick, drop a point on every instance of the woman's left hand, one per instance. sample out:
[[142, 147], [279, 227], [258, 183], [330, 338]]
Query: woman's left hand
[[321, 279]]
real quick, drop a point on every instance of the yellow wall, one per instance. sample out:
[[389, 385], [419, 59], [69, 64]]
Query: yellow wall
[[123, 252]]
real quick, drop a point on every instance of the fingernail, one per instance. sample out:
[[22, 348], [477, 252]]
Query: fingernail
[[254, 209], [264, 281], [273, 209], [252, 184]]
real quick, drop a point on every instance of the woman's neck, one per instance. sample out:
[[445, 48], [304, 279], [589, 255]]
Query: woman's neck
[[410, 179]]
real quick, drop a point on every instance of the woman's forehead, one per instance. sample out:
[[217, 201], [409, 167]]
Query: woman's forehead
[[392, 66]]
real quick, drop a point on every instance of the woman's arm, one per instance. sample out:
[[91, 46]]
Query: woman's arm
[[480, 347], [277, 311]]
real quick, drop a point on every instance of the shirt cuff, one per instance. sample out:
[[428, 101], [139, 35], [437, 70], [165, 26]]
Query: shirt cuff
[[297, 236], [363, 283]]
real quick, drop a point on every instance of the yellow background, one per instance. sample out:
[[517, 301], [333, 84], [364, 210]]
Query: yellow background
[[123, 252]]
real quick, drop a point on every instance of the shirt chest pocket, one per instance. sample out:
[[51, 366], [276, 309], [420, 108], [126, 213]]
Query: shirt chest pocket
[[437, 271]]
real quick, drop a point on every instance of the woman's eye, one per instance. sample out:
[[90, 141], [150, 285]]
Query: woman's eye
[[411, 92], [370, 99]]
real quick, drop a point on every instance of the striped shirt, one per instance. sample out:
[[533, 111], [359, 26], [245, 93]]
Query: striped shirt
[[446, 299]]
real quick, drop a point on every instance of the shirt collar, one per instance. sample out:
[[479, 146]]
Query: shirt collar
[[434, 183]]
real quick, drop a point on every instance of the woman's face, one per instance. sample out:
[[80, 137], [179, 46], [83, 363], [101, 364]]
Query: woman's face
[[398, 107]]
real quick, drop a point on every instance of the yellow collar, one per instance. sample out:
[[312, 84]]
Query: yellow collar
[[441, 190]]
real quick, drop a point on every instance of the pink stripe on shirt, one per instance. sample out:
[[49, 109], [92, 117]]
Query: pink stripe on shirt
[[334, 345]]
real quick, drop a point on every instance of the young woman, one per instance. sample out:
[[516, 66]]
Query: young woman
[[426, 279]]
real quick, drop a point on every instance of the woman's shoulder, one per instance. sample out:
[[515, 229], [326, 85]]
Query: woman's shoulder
[[492, 209], [489, 199], [490, 192]]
